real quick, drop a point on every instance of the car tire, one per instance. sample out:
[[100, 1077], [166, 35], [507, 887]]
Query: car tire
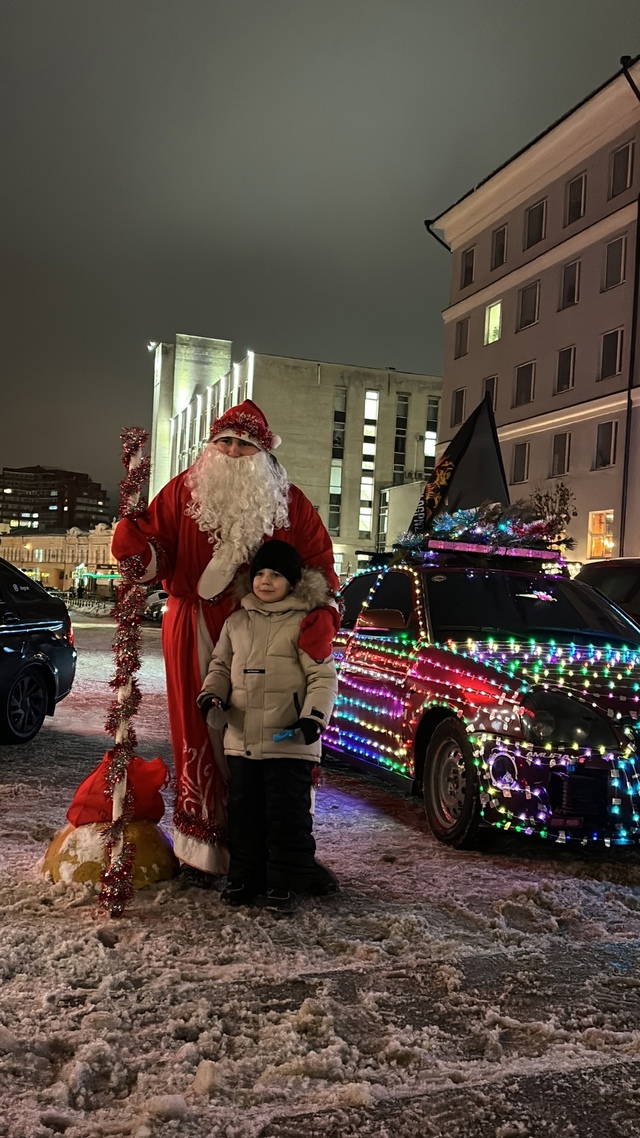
[[23, 707], [450, 786]]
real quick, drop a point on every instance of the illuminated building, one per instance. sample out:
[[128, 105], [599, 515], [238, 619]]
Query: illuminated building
[[543, 313], [348, 433], [44, 498]]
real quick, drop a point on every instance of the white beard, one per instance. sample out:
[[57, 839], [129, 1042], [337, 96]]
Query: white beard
[[237, 502]]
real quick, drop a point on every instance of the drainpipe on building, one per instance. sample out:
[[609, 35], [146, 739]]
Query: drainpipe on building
[[632, 348]]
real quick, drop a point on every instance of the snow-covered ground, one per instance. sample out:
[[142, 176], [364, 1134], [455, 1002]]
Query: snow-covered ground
[[475, 995]]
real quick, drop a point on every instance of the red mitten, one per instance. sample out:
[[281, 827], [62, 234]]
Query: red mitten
[[317, 632], [129, 542]]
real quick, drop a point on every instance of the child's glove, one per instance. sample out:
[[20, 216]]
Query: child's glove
[[310, 729], [207, 702]]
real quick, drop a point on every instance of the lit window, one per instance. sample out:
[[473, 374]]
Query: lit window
[[570, 285], [520, 462], [606, 436], [565, 369], [611, 354], [498, 247], [615, 262], [371, 401], [621, 169], [535, 224], [560, 454], [600, 541], [576, 199], [7, 490], [493, 322], [525, 375]]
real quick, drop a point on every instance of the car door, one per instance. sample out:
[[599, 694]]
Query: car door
[[373, 693]]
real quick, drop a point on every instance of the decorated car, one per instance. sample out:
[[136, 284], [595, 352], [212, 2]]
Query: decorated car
[[508, 695]]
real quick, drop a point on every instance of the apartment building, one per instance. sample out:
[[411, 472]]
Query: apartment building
[[543, 313], [44, 498], [65, 560], [348, 432]]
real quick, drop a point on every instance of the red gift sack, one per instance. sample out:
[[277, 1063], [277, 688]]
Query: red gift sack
[[92, 803]]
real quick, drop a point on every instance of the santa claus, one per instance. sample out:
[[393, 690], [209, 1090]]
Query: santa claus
[[201, 529]]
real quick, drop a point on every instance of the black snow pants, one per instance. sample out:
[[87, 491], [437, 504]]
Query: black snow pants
[[270, 825]]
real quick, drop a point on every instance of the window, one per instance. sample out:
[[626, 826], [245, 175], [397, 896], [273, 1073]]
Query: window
[[600, 534], [576, 199], [560, 454], [520, 462], [621, 169], [461, 346], [525, 374], [457, 406], [339, 421], [528, 299], [570, 284], [354, 596], [335, 497], [383, 520], [366, 506], [565, 369], [400, 444], [498, 247], [493, 322], [394, 592], [490, 387], [611, 356], [535, 223], [431, 434], [606, 444], [614, 264], [467, 266]]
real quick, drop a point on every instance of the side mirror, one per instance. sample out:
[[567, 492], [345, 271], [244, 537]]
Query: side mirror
[[382, 620]]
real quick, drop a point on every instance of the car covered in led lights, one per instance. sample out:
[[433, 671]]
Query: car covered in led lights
[[506, 695]]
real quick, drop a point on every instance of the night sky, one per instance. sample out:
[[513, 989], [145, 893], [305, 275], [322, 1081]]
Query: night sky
[[257, 170]]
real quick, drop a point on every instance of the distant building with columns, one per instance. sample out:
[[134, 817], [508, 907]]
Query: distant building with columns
[[348, 432]]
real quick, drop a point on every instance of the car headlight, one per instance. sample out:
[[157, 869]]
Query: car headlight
[[551, 717]]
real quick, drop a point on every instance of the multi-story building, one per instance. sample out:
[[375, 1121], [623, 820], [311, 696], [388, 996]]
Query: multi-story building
[[65, 560], [543, 313], [348, 432], [43, 498]]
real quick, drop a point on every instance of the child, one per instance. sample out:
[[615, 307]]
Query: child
[[261, 685]]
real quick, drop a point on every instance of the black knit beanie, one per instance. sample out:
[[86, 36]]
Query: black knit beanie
[[279, 556]]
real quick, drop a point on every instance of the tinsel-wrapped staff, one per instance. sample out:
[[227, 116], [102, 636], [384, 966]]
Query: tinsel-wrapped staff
[[116, 887]]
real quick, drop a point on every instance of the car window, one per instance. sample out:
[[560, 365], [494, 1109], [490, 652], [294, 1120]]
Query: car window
[[477, 600], [619, 584], [16, 587], [353, 597], [394, 592]]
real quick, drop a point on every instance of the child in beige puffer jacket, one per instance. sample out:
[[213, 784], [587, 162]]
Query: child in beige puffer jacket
[[273, 701]]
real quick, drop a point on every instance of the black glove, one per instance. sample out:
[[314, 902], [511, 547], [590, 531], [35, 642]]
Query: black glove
[[207, 702], [311, 730]]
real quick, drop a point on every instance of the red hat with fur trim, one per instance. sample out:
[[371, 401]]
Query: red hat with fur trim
[[248, 422]]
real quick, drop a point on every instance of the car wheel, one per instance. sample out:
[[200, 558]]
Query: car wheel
[[23, 708], [450, 786]]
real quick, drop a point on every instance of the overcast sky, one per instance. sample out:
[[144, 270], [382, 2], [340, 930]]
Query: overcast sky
[[256, 170]]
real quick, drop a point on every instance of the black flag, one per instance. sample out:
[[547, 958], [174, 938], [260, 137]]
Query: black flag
[[469, 473]]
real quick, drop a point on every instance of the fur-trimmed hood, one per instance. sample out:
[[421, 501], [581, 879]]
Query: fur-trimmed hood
[[311, 592]]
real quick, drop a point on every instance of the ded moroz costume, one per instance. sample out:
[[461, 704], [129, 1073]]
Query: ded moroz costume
[[196, 534]]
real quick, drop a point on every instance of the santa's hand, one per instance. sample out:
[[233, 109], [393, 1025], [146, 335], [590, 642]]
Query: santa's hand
[[128, 541], [310, 729], [317, 632]]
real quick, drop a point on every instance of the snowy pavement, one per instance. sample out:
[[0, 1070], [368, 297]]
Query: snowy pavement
[[493, 994]]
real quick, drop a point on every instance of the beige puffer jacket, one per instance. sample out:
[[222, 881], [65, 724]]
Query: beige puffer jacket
[[268, 682]]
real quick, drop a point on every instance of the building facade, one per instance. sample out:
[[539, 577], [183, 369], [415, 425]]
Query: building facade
[[43, 498], [543, 314], [65, 560], [348, 432]]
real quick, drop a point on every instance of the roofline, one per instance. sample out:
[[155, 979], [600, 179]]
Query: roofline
[[628, 63]]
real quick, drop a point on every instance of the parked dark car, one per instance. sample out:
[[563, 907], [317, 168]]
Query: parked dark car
[[503, 695], [37, 657], [619, 580]]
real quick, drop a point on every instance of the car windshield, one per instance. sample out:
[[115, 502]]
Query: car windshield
[[491, 601]]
